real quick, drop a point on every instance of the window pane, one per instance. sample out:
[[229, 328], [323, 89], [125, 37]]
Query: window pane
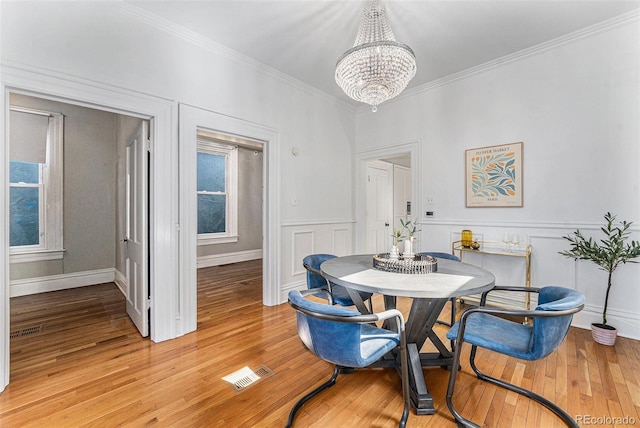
[[211, 172], [24, 216], [212, 213], [24, 172]]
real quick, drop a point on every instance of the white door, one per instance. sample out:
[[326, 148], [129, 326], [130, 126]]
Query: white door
[[379, 207], [401, 195], [137, 262]]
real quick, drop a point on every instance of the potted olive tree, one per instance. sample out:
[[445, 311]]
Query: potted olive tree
[[608, 254]]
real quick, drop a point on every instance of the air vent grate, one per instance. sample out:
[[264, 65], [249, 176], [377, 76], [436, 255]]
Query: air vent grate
[[245, 377], [29, 331]]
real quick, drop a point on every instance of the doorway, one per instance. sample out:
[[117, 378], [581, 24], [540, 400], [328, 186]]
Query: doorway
[[230, 198], [92, 182], [163, 192], [387, 189], [194, 120]]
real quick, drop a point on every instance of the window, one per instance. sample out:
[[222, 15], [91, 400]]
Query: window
[[35, 185], [217, 192], [25, 202]]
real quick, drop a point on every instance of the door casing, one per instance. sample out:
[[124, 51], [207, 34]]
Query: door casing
[[362, 160], [166, 322]]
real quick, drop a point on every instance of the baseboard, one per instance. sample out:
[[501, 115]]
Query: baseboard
[[297, 285], [627, 323], [121, 281], [223, 259], [24, 287]]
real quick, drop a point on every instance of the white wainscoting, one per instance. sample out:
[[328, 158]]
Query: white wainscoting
[[550, 268], [24, 287], [226, 258], [308, 237]]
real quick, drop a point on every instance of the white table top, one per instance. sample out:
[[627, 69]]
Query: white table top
[[452, 279]]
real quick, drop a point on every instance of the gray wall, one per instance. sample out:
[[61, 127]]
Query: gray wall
[[249, 206], [89, 190]]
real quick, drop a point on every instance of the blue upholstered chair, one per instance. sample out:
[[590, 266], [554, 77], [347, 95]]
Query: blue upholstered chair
[[347, 339], [486, 327], [315, 280], [447, 256]]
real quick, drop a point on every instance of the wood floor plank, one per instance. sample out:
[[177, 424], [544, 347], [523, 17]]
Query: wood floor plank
[[89, 367]]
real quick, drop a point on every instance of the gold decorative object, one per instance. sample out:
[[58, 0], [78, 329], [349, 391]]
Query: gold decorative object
[[467, 238]]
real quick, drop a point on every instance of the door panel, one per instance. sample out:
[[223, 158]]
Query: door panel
[[379, 209], [137, 261]]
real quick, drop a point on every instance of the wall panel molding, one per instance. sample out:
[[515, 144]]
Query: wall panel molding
[[468, 223], [323, 236], [298, 223]]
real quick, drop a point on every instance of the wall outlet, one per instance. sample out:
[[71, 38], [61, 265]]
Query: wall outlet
[[430, 200]]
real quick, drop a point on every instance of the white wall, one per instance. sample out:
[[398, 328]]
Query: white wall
[[575, 106], [113, 47], [115, 44]]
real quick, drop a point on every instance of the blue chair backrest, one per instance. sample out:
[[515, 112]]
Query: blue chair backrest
[[315, 260], [549, 332], [333, 341], [439, 255]]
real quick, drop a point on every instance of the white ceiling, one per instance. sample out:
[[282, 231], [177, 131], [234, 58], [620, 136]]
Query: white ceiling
[[304, 38]]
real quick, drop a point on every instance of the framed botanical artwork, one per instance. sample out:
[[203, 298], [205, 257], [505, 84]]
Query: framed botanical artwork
[[494, 176]]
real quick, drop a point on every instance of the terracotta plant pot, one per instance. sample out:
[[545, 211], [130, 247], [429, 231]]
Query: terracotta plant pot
[[604, 334]]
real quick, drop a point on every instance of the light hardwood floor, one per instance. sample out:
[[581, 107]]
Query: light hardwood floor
[[87, 366]]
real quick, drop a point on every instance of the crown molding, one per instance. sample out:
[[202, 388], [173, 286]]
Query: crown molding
[[626, 18], [216, 48]]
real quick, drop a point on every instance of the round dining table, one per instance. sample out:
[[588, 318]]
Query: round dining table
[[429, 293]]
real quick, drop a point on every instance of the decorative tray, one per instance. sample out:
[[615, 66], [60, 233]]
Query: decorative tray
[[418, 264]]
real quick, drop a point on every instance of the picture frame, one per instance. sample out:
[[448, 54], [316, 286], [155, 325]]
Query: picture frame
[[493, 176]]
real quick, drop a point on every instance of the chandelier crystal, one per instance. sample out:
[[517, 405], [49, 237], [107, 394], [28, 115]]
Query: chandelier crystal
[[376, 68]]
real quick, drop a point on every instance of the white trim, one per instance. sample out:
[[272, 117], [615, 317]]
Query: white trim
[[297, 223], [121, 281], [625, 18], [164, 282], [223, 259], [230, 153], [25, 287], [626, 322], [362, 160], [36, 256], [51, 186], [204, 240], [297, 285], [197, 39], [191, 119], [519, 224]]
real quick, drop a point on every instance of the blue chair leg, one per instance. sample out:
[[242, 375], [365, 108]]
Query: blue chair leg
[[307, 397], [566, 418]]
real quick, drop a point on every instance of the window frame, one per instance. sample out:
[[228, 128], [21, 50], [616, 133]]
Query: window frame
[[230, 153], [51, 196], [41, 212]]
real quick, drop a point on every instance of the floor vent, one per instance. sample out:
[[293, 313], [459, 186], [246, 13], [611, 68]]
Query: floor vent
[[26, 332], [245, 377]]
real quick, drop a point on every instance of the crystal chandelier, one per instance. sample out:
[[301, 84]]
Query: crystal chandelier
[[376, 68]]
